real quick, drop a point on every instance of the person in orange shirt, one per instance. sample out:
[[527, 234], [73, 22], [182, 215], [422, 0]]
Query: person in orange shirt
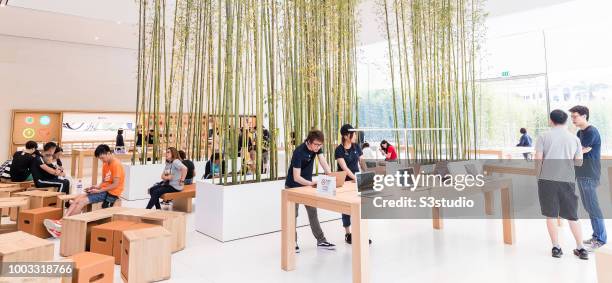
[[113, 178]]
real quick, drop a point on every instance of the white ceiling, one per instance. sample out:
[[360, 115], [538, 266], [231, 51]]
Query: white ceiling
[[113, 22]]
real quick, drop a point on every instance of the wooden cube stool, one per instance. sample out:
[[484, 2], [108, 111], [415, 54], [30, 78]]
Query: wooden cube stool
[[24, 184], [23, 247], [38, 199], [173, 221], [92, 267], [106, 238], [6, 190], [145, 255], [31, 220]]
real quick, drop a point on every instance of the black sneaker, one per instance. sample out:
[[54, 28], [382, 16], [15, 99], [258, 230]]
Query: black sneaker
[[582, 253], [326, 245], [297, 249], [348, 238], [557, 252]]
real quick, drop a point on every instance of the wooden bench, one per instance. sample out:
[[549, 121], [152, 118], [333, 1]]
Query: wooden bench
[[182, 201], [24, 184]]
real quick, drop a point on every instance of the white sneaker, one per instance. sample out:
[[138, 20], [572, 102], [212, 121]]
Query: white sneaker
[[54, 227]]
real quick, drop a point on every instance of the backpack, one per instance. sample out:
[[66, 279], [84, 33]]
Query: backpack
[[5, 170]]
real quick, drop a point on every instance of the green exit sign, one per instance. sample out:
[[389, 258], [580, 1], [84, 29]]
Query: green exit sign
[[505, 73]]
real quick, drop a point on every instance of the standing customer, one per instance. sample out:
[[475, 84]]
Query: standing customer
[[190, 167], [22, 162], [557, 151], [525, 142], [300, 174], [349, 157], [388, 151], [587, 176], [173, 178], [119, 143]]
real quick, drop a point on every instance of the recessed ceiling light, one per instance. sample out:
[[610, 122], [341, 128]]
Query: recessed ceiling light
[[96, 38], [118, 22]]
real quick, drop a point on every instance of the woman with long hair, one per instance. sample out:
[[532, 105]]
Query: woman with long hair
[[173, 178], [388, 151]]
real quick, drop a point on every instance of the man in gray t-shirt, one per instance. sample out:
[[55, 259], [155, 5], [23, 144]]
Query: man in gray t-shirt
[[557, 152]]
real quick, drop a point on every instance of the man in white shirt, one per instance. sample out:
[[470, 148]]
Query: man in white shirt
[[557, 152]]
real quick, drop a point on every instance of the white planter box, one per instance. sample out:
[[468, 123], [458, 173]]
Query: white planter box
[[233, 212], [139, 178]]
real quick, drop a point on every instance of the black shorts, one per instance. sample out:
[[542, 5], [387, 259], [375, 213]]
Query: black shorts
[[558, 199]]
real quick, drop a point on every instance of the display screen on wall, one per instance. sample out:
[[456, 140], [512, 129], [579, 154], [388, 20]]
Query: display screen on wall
[[97, 126], [37, 126]]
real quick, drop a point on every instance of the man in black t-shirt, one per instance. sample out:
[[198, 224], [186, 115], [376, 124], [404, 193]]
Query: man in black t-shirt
[[45, 175], [22, 161], [190, 167], [300, 175]]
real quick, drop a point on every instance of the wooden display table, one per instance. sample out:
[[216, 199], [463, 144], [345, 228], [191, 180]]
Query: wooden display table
[[23, 247], [173, 221], [346, 201], [76, 229], [15, 204], [146, 255], [6, 190], [77, 158]]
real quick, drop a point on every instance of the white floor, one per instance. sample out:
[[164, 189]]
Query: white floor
[[403, 251]]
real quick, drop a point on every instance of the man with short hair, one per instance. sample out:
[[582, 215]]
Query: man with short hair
[[44, 174], [22, 163], [300, 175], [107, 192], [557, 152], [588, 175]]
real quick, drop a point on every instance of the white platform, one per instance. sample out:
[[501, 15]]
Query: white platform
[[228, 213]]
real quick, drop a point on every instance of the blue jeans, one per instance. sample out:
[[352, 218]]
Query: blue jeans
[[588, 194]]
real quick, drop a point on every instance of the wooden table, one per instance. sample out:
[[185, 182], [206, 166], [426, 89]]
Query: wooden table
[[15, 203], [77, 160], [504, 185], [345, 201], [76, 229]]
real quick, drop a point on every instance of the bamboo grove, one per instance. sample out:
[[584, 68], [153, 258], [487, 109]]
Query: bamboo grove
[[205, 65], [433, 47]]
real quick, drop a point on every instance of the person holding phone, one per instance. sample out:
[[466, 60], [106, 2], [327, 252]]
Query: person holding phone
[[300, 175], [45, 174], [173, 178], [107, 192]]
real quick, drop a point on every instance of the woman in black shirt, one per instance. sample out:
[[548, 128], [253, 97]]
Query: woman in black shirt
[[190, 167]]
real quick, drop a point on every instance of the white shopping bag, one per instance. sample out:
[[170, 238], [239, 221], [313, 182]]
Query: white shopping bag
[[326, 185]]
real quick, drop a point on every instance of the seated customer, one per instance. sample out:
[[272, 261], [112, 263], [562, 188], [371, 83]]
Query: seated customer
[[107, 192], [173, 178], [57, 155], [22, 162], [45, 174], [190, 167], [214, 166]]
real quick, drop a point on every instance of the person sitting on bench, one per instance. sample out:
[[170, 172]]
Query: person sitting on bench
[[22, 162], [45, 175], [107, 192], [190, 167], [173, 178]]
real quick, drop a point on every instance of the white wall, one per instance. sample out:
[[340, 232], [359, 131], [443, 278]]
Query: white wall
[[59, 70]]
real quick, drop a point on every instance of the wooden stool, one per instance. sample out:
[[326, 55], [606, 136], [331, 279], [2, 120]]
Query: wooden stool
[[76, 229], [603, 261], [6, 190], [15, 204], [23, 247], [92, 267], [105, 238], [173, 221], [142, 263], [24, 184], [98, 205], [31, 220]]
